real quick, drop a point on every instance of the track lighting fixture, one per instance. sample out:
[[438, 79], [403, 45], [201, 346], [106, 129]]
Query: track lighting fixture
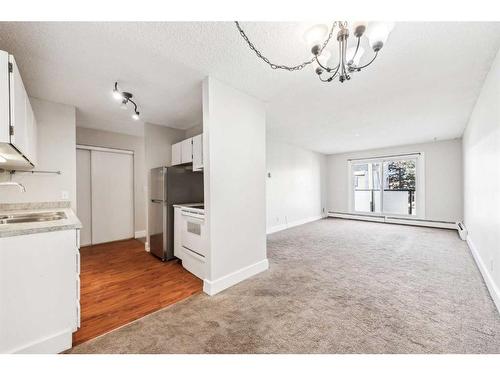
[[125, 98]]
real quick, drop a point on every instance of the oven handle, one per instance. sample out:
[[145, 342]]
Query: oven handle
[[193, 214]]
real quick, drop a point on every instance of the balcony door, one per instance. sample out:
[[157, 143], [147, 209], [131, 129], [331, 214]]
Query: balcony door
[[388, 186]]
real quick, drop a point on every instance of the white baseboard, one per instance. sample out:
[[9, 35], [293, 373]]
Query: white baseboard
[[213, 287], [49, 345], [281, 227], [490, 283], [396, 220], [140, 234], [341, 215]]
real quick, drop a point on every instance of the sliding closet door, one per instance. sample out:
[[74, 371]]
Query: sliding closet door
[[112, 196], [83, 195]]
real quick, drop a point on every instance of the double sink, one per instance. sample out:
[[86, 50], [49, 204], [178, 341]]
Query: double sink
[[32, 218]]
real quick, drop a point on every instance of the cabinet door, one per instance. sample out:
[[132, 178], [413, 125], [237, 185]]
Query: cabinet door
[[176, 153], [4, 97], [18, 111], [31, 133], [198, 152], [187, 150]]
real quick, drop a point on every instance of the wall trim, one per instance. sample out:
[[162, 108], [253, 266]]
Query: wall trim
[[295, 223], [140, 234], [213, 287], [493, 289], [396, 220], [48, 345]]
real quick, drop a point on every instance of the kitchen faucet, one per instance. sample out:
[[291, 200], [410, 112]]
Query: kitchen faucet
[[12, 183]]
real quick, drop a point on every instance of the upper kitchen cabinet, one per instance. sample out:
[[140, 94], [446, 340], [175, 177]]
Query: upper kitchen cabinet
[[198, 152], [17, 122], [176, 154], [189, 151]]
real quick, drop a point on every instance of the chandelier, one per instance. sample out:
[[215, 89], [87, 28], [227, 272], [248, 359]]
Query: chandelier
[[349, 57]]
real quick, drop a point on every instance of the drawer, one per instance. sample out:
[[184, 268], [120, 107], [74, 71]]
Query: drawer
[[194, 263]]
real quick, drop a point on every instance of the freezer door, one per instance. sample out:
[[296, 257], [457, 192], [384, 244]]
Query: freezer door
[[157, 186]]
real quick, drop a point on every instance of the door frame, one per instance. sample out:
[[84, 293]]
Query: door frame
[[91, 148], [419, 182]]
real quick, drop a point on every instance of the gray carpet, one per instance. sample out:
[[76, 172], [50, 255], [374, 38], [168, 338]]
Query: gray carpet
[[334, 286]]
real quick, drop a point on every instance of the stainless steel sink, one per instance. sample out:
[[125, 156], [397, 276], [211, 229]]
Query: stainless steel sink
[[32, 218]]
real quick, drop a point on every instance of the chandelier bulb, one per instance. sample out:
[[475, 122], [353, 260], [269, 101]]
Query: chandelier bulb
[[319, 71], [316, 49]]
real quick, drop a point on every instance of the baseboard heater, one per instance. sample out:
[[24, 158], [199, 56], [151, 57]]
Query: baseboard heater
[[396, 220]]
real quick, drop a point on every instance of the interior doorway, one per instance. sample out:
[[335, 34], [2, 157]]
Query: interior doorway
[[105, 194]]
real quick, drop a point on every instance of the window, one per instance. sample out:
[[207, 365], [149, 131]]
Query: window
[[386, 186]]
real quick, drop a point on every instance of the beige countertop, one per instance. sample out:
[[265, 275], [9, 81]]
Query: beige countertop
[[20, 229]]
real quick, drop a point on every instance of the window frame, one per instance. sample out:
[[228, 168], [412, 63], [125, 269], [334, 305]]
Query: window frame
[[419, 183]]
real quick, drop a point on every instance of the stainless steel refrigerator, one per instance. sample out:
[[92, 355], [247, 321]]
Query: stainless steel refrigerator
[[169, 186]]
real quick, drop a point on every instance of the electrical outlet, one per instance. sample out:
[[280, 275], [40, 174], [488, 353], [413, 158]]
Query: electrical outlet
[[64, 195]]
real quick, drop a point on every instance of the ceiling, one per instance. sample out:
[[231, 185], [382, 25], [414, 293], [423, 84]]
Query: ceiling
[[422, 87]]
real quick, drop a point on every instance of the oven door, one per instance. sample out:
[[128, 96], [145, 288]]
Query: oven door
[[193, 232]]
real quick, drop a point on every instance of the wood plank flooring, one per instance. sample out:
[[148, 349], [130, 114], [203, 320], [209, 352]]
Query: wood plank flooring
[[120, 282]]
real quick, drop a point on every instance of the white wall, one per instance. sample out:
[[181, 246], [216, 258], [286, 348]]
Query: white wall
[[443, 177], [194, 130], [296, 188], [94, 137], [56, 151], [234, 128], [481, 153]]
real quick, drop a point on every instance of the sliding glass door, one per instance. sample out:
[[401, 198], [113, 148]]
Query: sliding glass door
[[366, 178], [385, 186]]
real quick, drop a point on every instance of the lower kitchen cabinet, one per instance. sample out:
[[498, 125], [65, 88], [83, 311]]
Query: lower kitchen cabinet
[[39, 291]]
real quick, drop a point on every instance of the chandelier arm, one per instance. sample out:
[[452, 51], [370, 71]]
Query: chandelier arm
[[332, 76], [284, 67], [329, 79], [355, 52], [326, 67], [364, 66]]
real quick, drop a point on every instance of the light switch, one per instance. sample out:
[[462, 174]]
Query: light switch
[[64, 195]]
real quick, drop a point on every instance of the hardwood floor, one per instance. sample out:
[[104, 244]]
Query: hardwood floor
[[120, 282]]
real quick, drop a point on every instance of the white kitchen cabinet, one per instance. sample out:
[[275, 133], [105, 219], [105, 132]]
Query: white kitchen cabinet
[[18, 135], [187, 151], [177, 232], [39, 291], [176, 154], [198, 152]]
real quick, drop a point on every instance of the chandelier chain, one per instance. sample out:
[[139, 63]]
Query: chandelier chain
[[284, 67]]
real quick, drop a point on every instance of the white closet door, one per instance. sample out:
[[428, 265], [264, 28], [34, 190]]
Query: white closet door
[[112, 196], [83, 195]]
